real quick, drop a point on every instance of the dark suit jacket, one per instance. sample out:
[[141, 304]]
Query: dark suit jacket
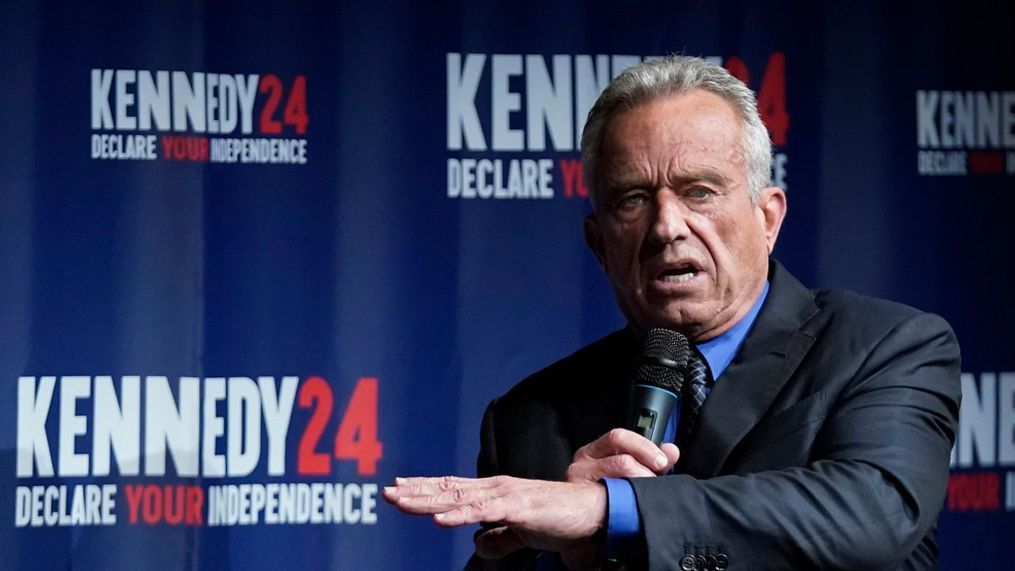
[[825, 444]]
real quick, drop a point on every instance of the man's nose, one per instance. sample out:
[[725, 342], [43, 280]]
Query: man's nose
[[670, 218]]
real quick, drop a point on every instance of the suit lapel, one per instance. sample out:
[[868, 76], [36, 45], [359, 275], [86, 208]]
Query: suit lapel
[[745, 391]]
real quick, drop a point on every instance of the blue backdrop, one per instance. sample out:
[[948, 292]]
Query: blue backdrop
[[308, 243]]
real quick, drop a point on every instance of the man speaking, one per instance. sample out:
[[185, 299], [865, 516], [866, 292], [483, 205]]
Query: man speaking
[[814, 427]]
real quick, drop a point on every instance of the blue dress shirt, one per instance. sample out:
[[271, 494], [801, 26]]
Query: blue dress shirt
[[623, 522]]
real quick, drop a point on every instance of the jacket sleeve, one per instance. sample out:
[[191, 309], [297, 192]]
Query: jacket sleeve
[[872, 487]]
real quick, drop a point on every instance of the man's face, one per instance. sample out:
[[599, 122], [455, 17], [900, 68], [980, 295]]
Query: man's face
[[675, 228]]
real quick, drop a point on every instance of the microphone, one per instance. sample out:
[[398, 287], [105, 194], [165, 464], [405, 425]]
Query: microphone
[[658, 379]]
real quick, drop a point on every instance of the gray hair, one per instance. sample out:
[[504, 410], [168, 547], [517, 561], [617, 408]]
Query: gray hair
[[674, 75]]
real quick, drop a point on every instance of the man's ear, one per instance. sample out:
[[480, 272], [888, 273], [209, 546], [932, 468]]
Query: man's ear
[[771, 212], [594, 238]]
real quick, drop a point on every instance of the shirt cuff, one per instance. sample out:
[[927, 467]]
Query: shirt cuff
[[623, 524]]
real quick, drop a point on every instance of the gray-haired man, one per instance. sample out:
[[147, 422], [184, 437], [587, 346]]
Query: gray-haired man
[[825, 436]]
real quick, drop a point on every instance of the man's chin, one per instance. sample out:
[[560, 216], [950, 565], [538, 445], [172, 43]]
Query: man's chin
[[690, 323]]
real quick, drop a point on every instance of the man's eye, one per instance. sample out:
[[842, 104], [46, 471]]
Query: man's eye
[[700, 192], [632, 200]]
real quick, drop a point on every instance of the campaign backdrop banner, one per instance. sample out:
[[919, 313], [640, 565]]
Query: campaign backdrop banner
[[260, 259]]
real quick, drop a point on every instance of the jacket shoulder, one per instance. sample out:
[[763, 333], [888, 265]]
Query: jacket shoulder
[[856, 315]]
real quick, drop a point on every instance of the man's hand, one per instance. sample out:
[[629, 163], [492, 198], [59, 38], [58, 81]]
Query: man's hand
[[621, 453], [552, 516]]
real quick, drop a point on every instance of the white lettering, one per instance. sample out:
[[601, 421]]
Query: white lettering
[[351, 514], [1008, 119], [214, 427], [277, 408], [172, 424], [228, 106], [965, 120], [72, 425], [988, 119], [947, 119], [247, 92], [117, 426], [589, 83], [941, 162], [244, 436], [33, 408], [1006, 420], [977, 420], [504, 101], [549, 103], [153, 100], [369, 502], [1009, 494], [87, 504], [102, 114], [454, 178], [463, 119], [124, 99], [188, 101], [211, 87]]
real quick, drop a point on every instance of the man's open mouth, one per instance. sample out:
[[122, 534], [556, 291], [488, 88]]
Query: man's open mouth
[[678, 273]]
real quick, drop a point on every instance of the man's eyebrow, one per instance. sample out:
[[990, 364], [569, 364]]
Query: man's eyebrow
[[635, 179], [709, 176]]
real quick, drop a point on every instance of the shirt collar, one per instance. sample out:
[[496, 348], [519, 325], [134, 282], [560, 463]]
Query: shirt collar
[[719, 352]]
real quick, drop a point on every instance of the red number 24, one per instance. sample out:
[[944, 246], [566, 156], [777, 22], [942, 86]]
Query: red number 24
[[356, 438]]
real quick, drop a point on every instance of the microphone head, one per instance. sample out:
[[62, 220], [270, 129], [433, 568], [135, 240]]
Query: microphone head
[[663, 359]]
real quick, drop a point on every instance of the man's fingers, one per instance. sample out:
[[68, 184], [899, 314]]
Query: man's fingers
[[448, 488], [482, 511], [541, 514], [621, 454], [437, 503], [420, 486], [672, 455], [498, 542], [620, 441], [618, 466], [451, 500]]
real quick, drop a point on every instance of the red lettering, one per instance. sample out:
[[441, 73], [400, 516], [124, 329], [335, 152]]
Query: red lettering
[[356, 438], [772, 99], [185, 148], [574, 178], [151, 504], [985, 162], [271, 85], [314, 390], [174, 504], [974, 492], [771, 93], [133, 499], [737, 69], [295, 113], [195, 505]]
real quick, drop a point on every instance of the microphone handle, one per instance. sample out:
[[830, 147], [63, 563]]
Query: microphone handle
[[651, 408]]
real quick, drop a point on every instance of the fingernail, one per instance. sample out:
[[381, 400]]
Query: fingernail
[[400, 480], [390, 490], [661, 461], [439, 516]]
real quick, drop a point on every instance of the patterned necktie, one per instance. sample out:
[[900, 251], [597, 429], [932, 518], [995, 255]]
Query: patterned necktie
[[697, 383]]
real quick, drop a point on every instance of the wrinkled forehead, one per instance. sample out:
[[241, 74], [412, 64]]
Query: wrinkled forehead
[[695, 132]]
